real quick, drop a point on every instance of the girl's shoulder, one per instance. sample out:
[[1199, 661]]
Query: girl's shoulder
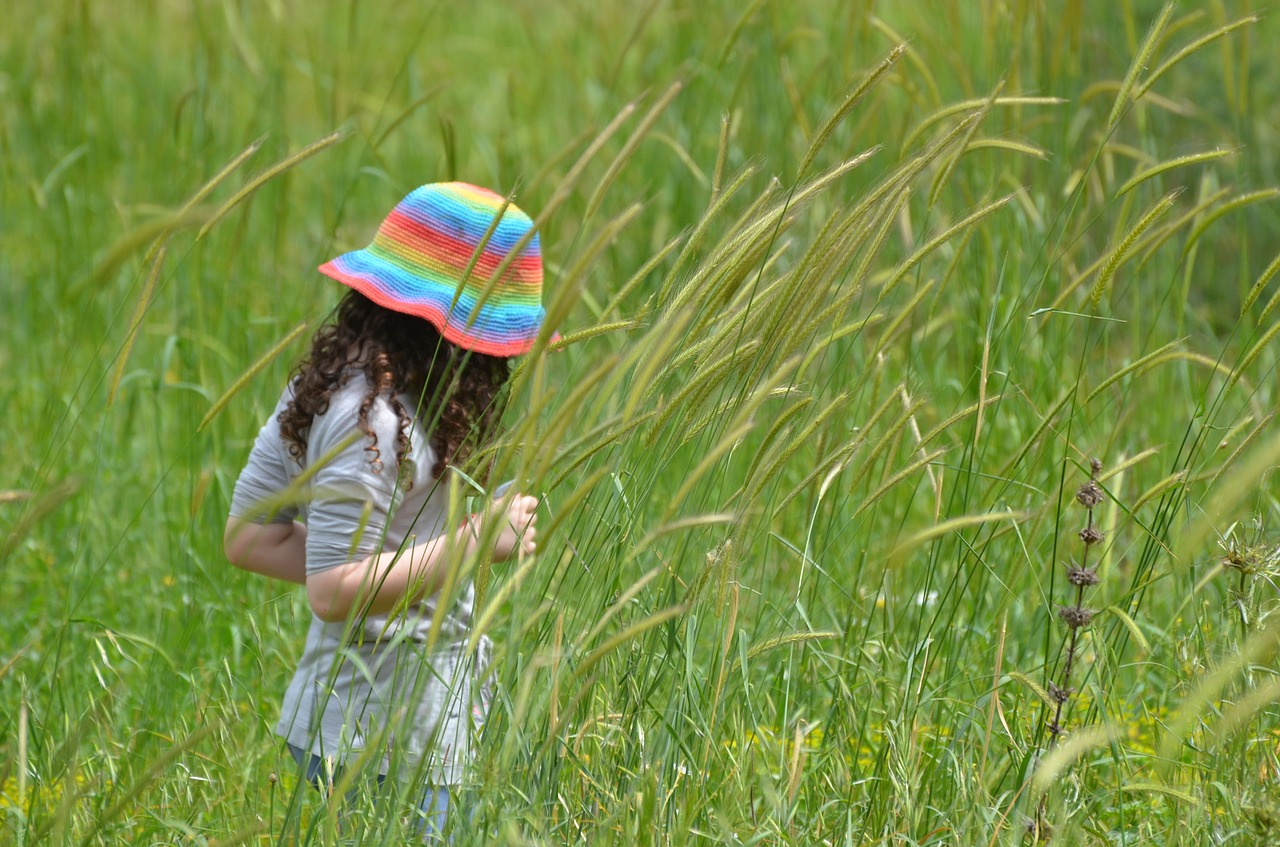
[[343, 413], [339, 428]]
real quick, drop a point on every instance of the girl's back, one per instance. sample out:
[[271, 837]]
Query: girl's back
[[404, 383]]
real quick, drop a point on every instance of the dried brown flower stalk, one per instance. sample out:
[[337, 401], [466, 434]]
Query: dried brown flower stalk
[[1077, 617]]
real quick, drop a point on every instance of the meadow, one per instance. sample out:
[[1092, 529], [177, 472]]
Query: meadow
[[907, 456]]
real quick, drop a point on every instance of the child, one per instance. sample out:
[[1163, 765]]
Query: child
[[406, 381]]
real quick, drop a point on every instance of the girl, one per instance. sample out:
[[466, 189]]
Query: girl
[[405, 382]]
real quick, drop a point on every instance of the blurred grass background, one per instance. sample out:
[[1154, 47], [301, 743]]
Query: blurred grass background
[[819, 666]]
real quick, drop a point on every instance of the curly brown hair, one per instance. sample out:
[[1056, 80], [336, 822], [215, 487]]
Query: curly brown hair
[[460, 390]]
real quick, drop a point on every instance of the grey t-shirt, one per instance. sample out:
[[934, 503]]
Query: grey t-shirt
[[378, 680]]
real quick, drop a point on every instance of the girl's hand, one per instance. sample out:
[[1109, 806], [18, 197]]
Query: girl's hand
[[518, 532]]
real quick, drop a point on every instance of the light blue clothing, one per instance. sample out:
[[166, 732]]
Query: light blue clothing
[[433, 806], [373, 681]]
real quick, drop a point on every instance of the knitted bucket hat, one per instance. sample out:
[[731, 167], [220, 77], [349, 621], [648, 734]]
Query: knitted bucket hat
[[427, 260]]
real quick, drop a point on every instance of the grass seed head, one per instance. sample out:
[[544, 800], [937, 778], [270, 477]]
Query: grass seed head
[[1091, 535], [1089, 494], [1059, 693], [1076, 617], [1081, 577]]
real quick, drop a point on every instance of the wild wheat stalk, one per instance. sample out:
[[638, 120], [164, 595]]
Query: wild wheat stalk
[[1145, 52], [1260, 285], [1122, 251], [1200, 42], [646, 123], [1254, 352], [266, 176], [1164, 167], [970, 105], [855, 96], [1243, 200], [1135, 366], [254, 369], [139, 312]]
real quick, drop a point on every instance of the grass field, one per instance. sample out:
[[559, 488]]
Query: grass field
[[852, 293]]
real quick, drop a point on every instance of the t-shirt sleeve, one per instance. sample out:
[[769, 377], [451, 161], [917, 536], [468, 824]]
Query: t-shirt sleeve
[[351, 498], [265, 476]]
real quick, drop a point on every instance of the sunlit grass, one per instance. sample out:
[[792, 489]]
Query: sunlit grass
[[851, 297]]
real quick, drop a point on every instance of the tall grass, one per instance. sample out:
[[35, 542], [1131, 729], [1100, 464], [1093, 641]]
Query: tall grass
[[851, 293]]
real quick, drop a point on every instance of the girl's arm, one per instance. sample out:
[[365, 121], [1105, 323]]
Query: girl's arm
[[277, 550], [375, 584], [255, 538]]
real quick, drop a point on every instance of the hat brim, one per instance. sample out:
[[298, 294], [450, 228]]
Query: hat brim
[[495, 330]]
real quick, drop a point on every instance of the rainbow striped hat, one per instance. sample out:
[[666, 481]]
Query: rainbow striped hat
[[418, 264]]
